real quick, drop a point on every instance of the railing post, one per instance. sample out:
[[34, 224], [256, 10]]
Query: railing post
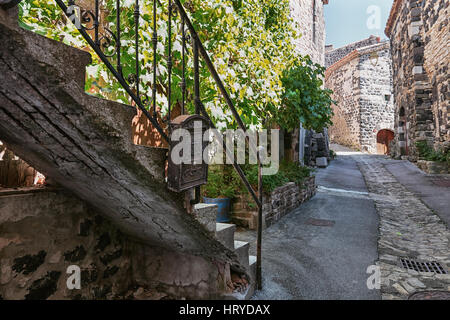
[[196, 75], [169, 67], [118, 44], [260, 222], [197, 100], [136, 44], [155, 44], [183, 79], [97, 23]]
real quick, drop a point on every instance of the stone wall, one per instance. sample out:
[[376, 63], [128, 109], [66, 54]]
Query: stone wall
[[276, 205], [286, 198], [376, 102], [436, 30], [310, 16], [44, 231], [419, 31], [334, 55], [362, 86], [344, 82]]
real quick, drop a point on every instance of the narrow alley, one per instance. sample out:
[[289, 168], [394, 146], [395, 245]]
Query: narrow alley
[[323, 249]]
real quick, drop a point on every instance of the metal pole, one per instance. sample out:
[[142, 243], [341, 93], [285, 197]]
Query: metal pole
[[260, 221], [196, 74], [169, 67], [197, 100], [136, 45]]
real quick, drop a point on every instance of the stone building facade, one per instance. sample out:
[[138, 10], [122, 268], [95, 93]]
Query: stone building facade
[[362, 84], [419, 35], [334, 55], [309, 14]]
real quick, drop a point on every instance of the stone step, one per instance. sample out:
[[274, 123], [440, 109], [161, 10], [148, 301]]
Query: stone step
[[248, 294], [252, 272], [252, 267], [71, 62], [77, 136], [225, 234], [241, 249], [206, 214]]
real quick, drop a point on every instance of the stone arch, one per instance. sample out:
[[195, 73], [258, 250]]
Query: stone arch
[[384, 138]]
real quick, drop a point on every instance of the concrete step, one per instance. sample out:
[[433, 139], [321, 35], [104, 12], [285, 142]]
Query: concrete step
[[252, 267], [206, 214], [252, 272], [225, 234], [241, 249], [248, 294]]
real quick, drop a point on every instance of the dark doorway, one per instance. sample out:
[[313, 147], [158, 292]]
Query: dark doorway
[[384, 138]]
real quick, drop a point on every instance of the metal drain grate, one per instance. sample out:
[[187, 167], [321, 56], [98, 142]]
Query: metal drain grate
[[430, 295], [422, 266], [442, 183], [320, 222]]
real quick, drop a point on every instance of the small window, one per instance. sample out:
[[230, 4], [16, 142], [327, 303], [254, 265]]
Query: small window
[[402, 112]]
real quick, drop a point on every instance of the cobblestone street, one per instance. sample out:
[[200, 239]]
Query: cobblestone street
[[377, 221], [408, 228]]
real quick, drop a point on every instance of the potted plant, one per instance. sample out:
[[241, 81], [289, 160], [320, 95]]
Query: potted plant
[[219, 190]]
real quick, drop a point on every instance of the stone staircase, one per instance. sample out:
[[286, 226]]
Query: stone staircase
[[84, 144], [224, 233]]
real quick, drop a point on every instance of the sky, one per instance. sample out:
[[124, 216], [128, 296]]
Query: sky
[[349, 21]]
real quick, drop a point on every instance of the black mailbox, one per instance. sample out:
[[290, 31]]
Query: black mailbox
[[184, 176]]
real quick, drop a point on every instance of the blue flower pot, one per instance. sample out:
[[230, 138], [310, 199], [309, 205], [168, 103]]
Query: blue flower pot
[[223, 205]]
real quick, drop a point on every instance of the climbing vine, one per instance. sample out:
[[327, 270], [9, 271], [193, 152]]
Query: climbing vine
[[251, 44], [304, 97]]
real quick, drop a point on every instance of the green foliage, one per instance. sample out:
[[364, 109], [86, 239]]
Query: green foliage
[[304, 98], [251, 43], [288, 172], [333, 154], [270, 183], [223, 181], [295, 172], [428, 153]]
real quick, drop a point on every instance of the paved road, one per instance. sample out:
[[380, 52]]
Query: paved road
[[433, 190], [303, 261]]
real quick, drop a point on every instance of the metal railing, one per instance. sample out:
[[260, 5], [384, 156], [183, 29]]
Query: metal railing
[[131, 83]]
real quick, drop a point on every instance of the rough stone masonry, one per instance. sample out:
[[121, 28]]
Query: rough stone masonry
[[43, 231], [419, 33], [362, 85], [408, 229]]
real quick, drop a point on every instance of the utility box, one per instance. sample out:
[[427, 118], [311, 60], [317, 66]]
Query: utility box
[[191, 171]]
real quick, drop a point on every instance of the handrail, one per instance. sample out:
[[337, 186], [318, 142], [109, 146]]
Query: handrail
[[198, 48], [225, 95], [118, 75]]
